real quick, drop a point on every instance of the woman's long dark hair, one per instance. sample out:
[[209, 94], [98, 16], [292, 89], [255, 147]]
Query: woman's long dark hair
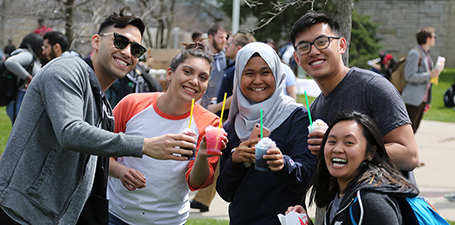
[[379, 170], [34, 43]]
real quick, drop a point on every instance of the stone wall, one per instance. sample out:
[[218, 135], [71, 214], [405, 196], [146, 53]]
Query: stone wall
[[400, 19]]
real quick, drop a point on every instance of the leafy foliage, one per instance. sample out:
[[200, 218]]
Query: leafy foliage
[[364, 41]]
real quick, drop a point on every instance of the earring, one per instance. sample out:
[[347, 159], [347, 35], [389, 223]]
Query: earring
[[370, 158]]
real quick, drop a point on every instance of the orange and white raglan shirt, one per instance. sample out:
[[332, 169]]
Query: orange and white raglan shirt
[[165, 199]]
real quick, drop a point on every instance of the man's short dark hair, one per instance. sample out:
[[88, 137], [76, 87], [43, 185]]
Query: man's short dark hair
[[423, 34], [118, 20], [196, 36], [310, 19], [214, 29], [54, 37]]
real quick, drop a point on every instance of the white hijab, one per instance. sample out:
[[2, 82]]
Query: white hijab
[[276, 109]]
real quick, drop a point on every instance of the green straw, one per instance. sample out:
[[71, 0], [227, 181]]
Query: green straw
[[308, 108], [261, 125]]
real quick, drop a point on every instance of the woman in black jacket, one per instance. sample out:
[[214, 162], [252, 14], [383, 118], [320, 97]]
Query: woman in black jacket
[[355, 179]]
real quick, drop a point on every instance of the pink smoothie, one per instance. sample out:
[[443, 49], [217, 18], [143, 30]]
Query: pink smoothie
[[213, 137]]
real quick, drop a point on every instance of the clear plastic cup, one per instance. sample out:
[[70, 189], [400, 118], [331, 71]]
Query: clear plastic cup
[[191, 133], [260, 150], [213, 138]]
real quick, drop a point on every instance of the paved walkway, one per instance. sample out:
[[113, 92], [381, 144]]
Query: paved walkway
[[436, 143]]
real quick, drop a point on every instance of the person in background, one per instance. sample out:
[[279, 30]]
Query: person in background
[[256, 197], [146, 190], [354, 171], [55, 165], [291, 82], [217, 37], [196, 36], [383, 65], [9, 48], [55, 45], [418, 70], [42, 29], [24, 62]]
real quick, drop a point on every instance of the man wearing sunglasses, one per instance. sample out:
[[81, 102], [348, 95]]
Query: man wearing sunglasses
[[55, 165], [318, 50]]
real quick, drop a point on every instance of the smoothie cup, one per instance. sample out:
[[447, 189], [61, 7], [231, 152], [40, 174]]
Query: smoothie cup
[[213, 137], [317, 125], [260, 150], [191, 133]]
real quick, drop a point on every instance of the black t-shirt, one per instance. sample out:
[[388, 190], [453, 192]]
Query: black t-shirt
[[366, 92]]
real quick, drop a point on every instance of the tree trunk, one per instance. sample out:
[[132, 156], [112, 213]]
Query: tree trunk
[[69, 15], [344, 16]]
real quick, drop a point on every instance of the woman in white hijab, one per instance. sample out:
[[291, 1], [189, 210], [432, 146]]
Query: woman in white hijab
[[257, 197]]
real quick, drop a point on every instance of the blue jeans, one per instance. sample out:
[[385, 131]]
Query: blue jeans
[[10, 106]]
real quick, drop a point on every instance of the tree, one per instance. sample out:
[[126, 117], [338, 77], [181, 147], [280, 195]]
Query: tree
[[276, 18]]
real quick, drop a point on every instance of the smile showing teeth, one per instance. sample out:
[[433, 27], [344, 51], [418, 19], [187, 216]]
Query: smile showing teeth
[[121, 62], [317, 62], [190, 90], [339, 162], [257, 89]]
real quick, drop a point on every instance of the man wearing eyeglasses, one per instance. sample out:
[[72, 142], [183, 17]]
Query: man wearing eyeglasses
[[318, 50], [55, 166]]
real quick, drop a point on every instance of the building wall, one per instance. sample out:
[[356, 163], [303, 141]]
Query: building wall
[[400, 19]]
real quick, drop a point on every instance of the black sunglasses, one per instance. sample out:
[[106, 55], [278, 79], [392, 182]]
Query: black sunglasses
[[120, 42]]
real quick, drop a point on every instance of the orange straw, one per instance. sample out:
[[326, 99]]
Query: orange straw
[[191, 112]]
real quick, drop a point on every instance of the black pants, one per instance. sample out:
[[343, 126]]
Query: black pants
[[415, 114]]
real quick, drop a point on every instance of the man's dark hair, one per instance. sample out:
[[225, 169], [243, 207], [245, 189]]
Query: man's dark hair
[[118, 20], [214, 29], [423, 34], [196, 36], [54, 37], [310, 19]]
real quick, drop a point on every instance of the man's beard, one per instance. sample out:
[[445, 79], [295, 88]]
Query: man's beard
[[52, 55], [216, 47]]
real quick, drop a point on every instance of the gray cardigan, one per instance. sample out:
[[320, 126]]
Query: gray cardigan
[[50, 143], [417, 75]]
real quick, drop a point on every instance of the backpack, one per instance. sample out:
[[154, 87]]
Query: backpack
[[417, 210], [397, 77], [9, 83], [137, 81], [414, 211], [449, 97]]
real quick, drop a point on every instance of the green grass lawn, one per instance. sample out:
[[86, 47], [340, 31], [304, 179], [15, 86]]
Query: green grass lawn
[[5, 128], [437, 111]]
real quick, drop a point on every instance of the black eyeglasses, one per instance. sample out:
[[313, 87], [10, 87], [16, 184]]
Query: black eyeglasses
[[120, 42], [320, 43]]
